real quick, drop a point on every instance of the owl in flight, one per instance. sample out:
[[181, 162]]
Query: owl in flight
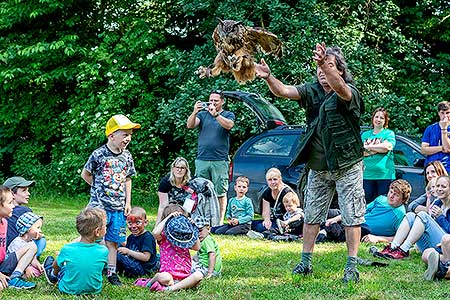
[[236, 45]]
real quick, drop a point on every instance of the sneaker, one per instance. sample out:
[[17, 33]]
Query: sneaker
[[301, 269], [321, 238], [350, 275], [114, 279], [48, 269], [442, 270], [433, 266], [20, 284], [387, 250], [156, 286], [397, 253], [255, 235], [280, 226]]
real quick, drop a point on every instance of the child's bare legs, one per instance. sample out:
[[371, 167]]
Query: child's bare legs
[[24, 257], [163, 278], [166, 279], [188, 282], [112, 257]]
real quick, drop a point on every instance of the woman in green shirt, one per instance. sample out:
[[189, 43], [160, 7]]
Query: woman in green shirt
[[379, 167]]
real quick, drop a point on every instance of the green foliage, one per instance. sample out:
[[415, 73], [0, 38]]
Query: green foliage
[[67, 66]]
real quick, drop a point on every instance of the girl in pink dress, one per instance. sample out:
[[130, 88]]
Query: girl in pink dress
[[175, 234]]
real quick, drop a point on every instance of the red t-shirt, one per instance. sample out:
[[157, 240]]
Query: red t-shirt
[[3, 229]]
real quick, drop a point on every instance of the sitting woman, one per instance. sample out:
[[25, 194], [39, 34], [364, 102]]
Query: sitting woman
[[195, 195], [379, 167], [272, 201], [173, 187], [424, 229], [433, 169]]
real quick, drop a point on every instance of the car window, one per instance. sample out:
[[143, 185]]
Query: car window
[[275, 145], [405, 155]]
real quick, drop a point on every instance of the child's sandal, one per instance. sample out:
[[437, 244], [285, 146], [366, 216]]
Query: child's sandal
[[142, 282]]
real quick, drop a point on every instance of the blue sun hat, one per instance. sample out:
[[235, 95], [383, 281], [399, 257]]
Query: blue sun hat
[[181, 232], [25, 221]]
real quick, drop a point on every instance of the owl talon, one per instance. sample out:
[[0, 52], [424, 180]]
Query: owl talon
[[203, 72]]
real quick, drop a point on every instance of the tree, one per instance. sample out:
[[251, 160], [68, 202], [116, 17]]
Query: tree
[[67, 66]]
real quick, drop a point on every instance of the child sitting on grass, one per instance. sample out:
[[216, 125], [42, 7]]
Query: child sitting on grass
[[79, 265], [176, 234], [293, 218], [15, 263], [138, 257], [21, 195], [208, 260], [29, 228], [239, 211]]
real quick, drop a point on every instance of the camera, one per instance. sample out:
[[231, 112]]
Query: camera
[[205, 105]]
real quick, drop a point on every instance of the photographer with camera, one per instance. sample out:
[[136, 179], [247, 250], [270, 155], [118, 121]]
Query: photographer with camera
[[213, 144]]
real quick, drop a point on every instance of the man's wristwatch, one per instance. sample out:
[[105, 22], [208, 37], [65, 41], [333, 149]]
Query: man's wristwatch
[[216, 115]]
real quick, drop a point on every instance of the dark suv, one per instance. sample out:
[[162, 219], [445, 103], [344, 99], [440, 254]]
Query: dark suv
[[275, 147]]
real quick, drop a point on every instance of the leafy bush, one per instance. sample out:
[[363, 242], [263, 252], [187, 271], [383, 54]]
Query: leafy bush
[[67, 66]]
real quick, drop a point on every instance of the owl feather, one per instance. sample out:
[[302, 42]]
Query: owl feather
[[236, 46]]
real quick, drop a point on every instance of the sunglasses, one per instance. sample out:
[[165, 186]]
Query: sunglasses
[[218, 92]]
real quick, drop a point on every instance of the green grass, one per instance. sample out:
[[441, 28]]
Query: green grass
[[253, 269]]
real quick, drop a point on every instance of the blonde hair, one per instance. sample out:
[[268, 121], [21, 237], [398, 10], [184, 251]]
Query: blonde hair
[[291, 197], [4, 190], [180, 160], [243, 179], [275, 171], [139, 211], [447, 200], [403, 187], [89, 220], [430, 183]]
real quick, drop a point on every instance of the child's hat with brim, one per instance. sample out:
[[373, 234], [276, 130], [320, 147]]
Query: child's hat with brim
[[181, 232], [118, 122], [25, 221]]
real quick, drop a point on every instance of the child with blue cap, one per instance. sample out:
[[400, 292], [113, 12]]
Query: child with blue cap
[[29, 228]]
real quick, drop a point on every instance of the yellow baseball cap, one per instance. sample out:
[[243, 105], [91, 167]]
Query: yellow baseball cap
[[119, 122]]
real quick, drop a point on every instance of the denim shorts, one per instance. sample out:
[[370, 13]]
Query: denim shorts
[[8, 265], [433, 231], [116, 227], [216, 171], [198, 267], [348, 183]]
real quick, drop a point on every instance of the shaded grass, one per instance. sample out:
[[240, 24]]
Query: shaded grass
[[253, 269]]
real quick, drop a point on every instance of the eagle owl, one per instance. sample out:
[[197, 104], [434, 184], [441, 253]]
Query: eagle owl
[[235, 45]]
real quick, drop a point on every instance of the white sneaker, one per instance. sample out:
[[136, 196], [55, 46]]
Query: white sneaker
[[255, 235], [280, 227]]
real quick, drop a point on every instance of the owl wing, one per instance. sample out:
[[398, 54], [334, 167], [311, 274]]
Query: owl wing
[[216, 40], [268, 41]]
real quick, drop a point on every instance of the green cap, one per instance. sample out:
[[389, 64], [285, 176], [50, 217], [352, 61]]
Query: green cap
[[18, 181]]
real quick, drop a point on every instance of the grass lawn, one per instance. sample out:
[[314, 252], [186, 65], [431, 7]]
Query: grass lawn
[[253, 269]]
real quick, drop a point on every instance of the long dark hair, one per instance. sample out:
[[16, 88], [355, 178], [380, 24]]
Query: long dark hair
[[341, 64]]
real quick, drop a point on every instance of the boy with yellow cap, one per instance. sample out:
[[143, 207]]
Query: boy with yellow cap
[[108, 172]]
